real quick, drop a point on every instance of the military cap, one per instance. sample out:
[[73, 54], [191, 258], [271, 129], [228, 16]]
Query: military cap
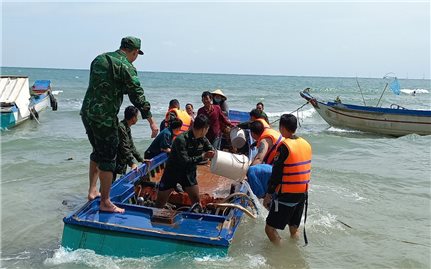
[[132, 42]]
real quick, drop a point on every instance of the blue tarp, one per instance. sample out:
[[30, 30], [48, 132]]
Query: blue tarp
[[41, 84], [395, 86], [240, 116], [258, 176]]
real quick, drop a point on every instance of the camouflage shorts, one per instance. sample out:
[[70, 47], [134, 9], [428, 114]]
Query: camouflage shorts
[[104, 141]]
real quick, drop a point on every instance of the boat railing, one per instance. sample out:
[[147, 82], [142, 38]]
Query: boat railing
[[122, 189], [395, 106]]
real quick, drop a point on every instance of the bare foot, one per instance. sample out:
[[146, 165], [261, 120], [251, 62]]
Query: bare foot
[[111, 208], [93, 195]]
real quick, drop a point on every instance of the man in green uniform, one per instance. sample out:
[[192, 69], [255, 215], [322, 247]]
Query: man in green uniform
[[126, 148], [112, 75], [260, 106], [188, 149]]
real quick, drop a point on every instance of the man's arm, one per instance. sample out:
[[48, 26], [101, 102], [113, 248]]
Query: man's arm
[[224, 119], [166, 142], [277, 168], [153, 126], [244, 125], [207, 145], [136, 95], [179, 147], [261, 152], [277, 173]]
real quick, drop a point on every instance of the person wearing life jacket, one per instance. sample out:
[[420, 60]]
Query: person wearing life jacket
[[260, 170], [287, 191], [267, 140], [174, 112]]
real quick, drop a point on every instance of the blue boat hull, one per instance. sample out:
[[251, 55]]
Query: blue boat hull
[[113, 243], [14, 116]]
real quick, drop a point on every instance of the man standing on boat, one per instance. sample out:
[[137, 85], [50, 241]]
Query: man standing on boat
[[188, 149], [288, 186], [112, 75]]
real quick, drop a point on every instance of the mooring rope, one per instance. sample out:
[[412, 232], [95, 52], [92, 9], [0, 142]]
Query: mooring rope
[[296, 110]]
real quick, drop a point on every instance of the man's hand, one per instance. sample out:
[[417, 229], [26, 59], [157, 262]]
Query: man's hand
[[134, 166], [209, 154], [267, 201], [153, 126], [154, 130]]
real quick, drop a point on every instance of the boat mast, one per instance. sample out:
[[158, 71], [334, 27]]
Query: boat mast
[[360, 90]]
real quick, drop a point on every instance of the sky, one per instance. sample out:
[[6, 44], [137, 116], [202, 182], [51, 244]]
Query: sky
[[307, 38]]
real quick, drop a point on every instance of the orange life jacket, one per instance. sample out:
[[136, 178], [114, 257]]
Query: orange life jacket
[[183, 116], [297, 166], [275, 137], [265, 124]]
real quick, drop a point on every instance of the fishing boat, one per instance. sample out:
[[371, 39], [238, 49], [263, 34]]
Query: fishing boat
[[144, 230], [20, 103], [394, 120]]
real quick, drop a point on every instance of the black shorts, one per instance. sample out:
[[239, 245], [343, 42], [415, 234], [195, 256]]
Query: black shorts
[[170, 180], [286, 215]]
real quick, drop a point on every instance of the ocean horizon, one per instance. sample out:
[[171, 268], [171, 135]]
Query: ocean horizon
[[237, 74]]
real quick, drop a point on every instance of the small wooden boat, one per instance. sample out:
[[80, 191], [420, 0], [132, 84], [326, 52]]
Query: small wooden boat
[[394, 121], [144, 230], [18, 103]]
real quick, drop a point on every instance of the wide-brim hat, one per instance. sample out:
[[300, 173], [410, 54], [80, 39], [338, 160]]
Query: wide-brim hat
[[219, 92]]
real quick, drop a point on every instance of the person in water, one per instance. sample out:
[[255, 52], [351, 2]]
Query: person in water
[[259, 172], [288, 186]]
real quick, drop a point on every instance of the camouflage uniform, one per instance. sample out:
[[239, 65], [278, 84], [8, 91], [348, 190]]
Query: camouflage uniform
[[126, 149], [111, 76], [181, 164]]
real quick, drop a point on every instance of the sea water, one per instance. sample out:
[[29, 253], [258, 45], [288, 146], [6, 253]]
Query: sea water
[[369, 201]]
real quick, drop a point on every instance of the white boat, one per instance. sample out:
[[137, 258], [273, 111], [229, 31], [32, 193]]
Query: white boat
[[394, 121], [19, 104]]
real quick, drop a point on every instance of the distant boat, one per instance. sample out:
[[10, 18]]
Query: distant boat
[[144, 230], [19, 102], [394, 121]]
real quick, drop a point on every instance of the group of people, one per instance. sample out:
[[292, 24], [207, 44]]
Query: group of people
[[190, 139]]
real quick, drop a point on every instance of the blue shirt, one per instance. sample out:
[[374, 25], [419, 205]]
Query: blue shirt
[[162, 141]]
